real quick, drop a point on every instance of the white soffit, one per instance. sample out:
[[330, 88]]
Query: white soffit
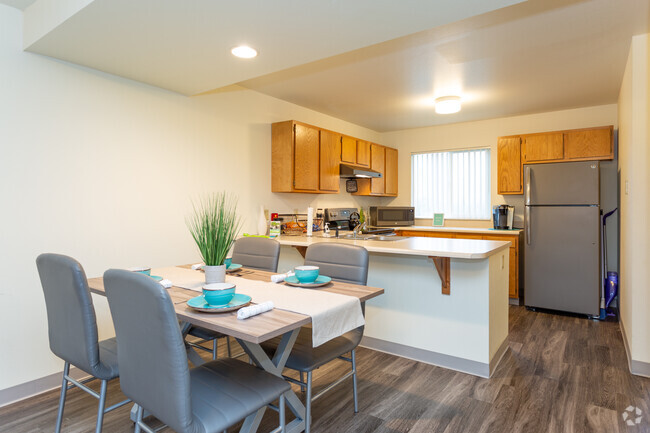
[[538, 56], [184, 45]]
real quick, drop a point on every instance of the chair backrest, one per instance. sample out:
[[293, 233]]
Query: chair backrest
[[257, 253], [71, 320], [341, 262], [150, 349]]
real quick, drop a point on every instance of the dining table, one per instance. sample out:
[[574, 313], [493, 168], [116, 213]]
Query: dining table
[[253, 331]]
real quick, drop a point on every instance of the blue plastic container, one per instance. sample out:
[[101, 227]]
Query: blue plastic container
[[611, 287]]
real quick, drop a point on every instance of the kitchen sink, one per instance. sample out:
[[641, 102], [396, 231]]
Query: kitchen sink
[[373, 237]]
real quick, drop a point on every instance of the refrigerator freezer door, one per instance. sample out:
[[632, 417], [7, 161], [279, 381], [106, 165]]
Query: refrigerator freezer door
[[562, 258], [562, 183]]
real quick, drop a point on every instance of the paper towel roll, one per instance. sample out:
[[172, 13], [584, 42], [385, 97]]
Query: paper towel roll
[[310, 220]]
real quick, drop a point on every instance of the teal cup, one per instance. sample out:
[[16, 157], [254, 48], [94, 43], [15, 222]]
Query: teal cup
[[141, 270], [218, 294], [228, 262], [306, 274]]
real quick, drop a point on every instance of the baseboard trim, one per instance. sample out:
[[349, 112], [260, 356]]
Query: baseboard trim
[[440, 359], [638, 368], [38, 386]]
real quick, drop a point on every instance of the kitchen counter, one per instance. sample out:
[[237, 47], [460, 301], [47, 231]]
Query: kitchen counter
[[453, 248], [460, 229], [445, 301]]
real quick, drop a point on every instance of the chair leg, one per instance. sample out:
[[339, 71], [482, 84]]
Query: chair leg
[[354, 381], [215, 347], [308, 404], [102, 406], [64, 390], [228, 344], [282, 413], [302, 379], [138, 419]]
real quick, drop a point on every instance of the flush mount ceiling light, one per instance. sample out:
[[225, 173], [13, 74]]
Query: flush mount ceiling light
[[244, 52], [447, 104]]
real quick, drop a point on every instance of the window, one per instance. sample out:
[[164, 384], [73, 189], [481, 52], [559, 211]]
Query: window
[[456, 183]]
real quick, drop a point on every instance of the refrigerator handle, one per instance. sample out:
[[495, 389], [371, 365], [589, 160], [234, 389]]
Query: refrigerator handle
[[527, 192], [527, 222]]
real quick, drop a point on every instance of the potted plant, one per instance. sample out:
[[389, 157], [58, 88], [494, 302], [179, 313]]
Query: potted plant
[[214, 225]]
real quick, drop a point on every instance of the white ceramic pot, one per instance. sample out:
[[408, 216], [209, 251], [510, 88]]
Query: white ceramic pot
[[215, 274]]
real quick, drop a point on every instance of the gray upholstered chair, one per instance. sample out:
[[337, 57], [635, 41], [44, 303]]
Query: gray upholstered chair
[[341, 262], [154, 371], [72, 329], [251, 252], [257, 253]]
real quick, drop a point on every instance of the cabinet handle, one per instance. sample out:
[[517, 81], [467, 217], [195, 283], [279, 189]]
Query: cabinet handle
[[527, 222]]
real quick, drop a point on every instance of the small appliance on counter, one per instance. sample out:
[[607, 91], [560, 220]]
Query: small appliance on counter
[[392, 216], [503, 216]]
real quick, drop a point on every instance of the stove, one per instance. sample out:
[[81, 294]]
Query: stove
[[340, 217]]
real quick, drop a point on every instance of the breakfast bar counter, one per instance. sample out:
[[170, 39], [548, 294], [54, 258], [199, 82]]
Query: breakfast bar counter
[[445, 300]]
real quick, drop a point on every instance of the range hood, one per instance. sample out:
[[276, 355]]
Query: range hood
[[351, 171]]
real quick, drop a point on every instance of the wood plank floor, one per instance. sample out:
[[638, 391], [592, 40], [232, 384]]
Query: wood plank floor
[[560, 374]]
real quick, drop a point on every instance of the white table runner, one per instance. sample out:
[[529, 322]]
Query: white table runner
[[332, 314]]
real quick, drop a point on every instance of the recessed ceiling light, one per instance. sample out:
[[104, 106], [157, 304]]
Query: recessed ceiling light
[[244, 52], [448, 104]]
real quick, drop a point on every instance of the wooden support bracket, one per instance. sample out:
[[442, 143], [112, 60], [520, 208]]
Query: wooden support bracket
[[443, 267], [302, 250]]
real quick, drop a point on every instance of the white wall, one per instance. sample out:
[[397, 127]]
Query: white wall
[[484, 133], [103, 169], [634, 160]]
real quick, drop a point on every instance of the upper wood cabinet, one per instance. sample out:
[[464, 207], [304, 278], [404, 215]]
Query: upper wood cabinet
[[330, 149], [303, 159], [363, 153], [543, 147], [349, 150], [589, 143], [390, 174], [377, 162], [509, 180], [558, 146]]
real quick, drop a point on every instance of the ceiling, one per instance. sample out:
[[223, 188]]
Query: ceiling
[[376, 63]]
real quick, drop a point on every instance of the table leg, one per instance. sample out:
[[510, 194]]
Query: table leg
[[275, 366]]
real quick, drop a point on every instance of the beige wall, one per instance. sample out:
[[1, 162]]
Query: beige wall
[[634, 160], [103, 169]]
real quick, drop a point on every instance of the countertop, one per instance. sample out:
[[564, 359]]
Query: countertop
[[415, 246], [461, 229]]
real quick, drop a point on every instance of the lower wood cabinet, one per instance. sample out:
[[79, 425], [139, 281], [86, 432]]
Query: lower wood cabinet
[[515, 247]]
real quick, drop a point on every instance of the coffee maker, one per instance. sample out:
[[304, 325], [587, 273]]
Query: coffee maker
[[503, 216]]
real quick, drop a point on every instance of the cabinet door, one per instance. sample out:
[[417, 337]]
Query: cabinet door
[[510, 177], [513, 290], [390, 176], [363, 153], [330, 149], [377, 162], [544, 147], [349, 150], [305, 176], [588, 143]]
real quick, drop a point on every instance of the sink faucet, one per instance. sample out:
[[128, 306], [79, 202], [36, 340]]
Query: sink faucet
[[358, 228]]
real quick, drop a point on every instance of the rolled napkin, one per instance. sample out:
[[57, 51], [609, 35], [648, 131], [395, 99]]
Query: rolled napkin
[[253, 310], [197, 266], [165, 283], [278, 278]]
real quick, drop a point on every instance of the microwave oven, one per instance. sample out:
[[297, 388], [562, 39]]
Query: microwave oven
[[392, 216]]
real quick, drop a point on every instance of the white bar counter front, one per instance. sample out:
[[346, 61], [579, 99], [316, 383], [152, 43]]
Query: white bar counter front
[[465, 330]]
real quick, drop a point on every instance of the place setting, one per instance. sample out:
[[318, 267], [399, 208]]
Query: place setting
[[306, 277]]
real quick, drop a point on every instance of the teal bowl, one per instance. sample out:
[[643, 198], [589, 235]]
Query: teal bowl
[[141, 270], [218, 294], [306, 274], [228, 262]]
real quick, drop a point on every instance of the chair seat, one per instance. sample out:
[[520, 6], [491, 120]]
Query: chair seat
[[222, 393], [107, 368], [304, 357], [205, 334]]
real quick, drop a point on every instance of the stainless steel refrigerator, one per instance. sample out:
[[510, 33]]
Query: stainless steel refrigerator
[[562, 236]]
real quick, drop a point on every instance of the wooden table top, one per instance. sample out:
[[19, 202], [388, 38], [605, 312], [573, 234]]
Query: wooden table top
[[255, 329]]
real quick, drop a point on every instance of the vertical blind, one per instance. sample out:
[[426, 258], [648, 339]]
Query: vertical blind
[[454, 183]]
